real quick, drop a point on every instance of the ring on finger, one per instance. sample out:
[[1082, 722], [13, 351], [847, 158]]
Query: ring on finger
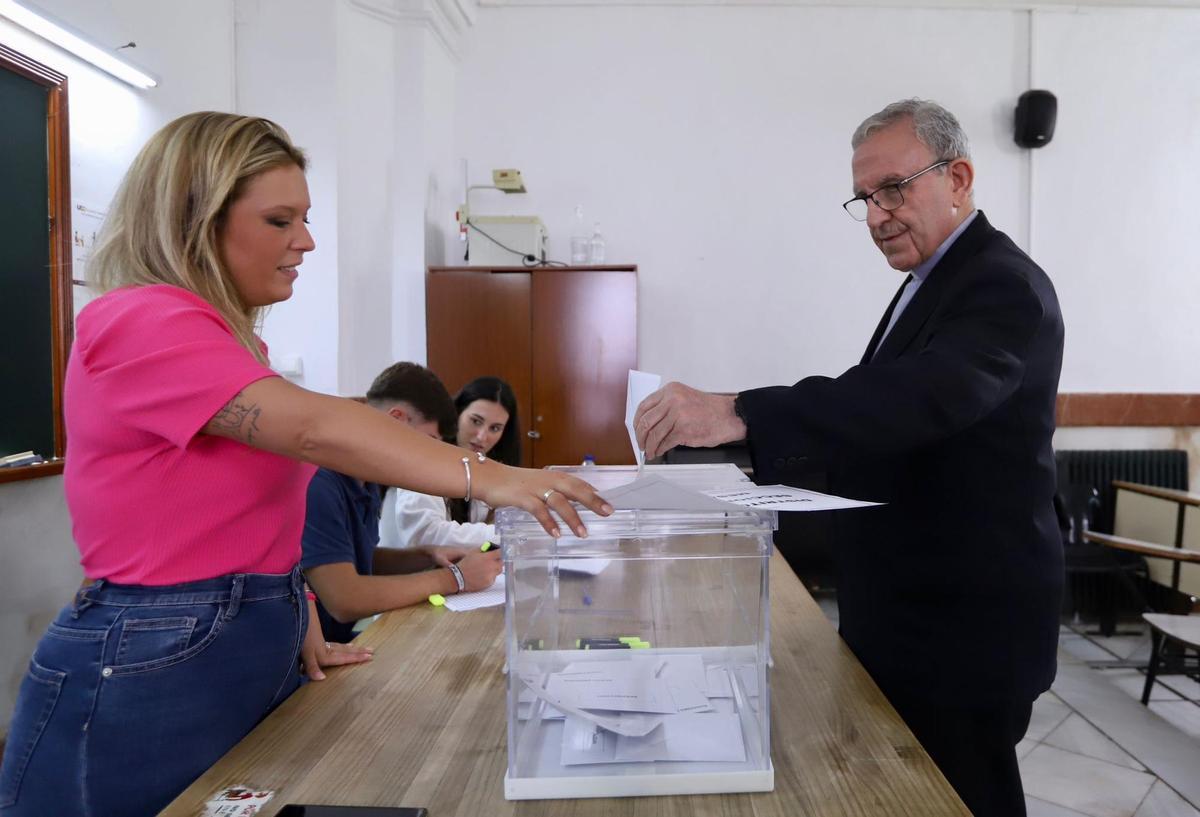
[[546, 496]]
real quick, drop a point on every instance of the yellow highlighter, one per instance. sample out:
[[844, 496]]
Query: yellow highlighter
[[437, 599]]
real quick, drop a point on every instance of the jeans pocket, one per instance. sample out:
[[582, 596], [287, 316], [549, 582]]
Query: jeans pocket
[[148, 644], [35, 704], [147, 639]]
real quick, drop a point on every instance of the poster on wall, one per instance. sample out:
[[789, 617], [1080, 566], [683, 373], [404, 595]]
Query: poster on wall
[[85, 227]]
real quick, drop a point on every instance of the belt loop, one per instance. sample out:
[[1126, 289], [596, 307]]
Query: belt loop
[[82, 602], [235, 596]]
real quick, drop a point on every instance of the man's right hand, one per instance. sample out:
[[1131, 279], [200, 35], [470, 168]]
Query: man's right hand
[[680, 415], [480, 569]]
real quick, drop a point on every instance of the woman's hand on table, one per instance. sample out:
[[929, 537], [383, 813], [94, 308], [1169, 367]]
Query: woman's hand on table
[[316, 652]]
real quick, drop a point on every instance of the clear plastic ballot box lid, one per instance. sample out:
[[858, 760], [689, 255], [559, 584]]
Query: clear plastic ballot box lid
[[637, 657]]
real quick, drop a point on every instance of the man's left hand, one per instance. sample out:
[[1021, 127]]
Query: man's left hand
[[680, 415]]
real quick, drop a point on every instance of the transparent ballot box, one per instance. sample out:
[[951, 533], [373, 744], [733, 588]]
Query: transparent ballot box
[[637, 657]]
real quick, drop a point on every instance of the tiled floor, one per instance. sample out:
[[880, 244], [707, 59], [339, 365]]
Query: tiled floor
[[1093, 750], [1110, 755]]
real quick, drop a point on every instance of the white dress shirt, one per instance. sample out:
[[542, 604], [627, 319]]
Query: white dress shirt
[[409, 519]]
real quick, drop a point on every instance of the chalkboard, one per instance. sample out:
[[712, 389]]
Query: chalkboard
[[26, 368], [35, 259]]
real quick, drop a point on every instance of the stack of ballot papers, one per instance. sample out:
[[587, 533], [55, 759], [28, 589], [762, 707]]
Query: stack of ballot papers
[[642, 708]]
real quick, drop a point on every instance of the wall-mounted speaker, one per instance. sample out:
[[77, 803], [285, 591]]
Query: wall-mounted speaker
[[1036, 114]]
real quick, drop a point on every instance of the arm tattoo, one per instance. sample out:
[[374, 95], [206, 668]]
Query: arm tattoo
[[238, 419]]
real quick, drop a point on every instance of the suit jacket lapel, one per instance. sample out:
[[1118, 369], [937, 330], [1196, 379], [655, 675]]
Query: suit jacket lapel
[[913, 317], [923, 303], [883, 322]]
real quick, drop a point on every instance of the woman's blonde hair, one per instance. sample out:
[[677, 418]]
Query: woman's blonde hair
[[163, 225]]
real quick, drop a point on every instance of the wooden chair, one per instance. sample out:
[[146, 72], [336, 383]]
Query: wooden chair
[[1183, 631], [1175, 552]]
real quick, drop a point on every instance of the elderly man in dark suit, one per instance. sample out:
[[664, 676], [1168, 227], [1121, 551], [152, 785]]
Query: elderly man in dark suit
[[949, 593]]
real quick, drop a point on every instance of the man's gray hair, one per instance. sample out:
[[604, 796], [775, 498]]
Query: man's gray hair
[[935, 126]]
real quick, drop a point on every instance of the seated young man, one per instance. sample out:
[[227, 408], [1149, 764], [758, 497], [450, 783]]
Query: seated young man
[[351, 576]]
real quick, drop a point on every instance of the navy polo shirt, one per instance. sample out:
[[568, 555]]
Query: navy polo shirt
[[341, 524]]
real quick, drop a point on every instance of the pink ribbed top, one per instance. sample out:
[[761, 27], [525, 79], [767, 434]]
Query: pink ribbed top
[[152, 500]]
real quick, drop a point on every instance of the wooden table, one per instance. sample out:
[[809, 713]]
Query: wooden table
[[423, 724]]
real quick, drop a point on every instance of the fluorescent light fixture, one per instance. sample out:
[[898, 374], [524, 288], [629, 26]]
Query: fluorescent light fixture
[[59, 35]]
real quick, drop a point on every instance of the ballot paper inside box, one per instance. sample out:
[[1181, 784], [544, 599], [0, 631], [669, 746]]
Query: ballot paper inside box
[[637, 657]]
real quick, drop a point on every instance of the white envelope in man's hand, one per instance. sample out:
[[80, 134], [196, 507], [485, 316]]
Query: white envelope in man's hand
[[641, 386]]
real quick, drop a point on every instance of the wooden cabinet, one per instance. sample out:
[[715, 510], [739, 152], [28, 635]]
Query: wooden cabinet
[[565, 338]]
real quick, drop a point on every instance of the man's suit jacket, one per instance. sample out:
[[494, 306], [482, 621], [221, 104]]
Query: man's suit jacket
[[951, 590]]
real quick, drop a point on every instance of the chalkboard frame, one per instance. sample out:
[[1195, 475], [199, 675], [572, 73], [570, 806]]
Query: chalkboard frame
[[62, 322]]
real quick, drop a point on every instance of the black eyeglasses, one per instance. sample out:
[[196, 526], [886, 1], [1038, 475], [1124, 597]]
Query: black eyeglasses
[[887, 197]]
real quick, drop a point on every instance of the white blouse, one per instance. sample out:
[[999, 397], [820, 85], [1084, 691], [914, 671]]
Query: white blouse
[[409, 519]]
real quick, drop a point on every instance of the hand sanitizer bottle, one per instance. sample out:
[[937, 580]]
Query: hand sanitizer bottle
[[596, 248], [579, 239]]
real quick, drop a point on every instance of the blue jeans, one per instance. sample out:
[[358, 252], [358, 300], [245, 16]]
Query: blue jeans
[[133, 692]]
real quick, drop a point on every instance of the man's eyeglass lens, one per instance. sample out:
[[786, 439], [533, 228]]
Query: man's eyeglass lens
[[888, 197]]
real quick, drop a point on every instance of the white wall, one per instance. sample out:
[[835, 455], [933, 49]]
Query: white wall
[[365, 88], [287, 70], [1114, 196], [712, 144], [367, 119], [427, 180]]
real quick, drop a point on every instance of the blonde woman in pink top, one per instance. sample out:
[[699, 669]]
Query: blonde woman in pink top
[[187, 465]]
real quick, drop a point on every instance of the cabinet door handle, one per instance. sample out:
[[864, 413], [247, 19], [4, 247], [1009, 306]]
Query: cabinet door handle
[[534, 435]]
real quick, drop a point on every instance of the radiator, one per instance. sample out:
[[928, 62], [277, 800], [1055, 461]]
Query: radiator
[[1080, 471]]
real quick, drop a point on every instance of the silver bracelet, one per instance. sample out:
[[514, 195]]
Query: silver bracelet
[[466, 461], [458, 576]]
